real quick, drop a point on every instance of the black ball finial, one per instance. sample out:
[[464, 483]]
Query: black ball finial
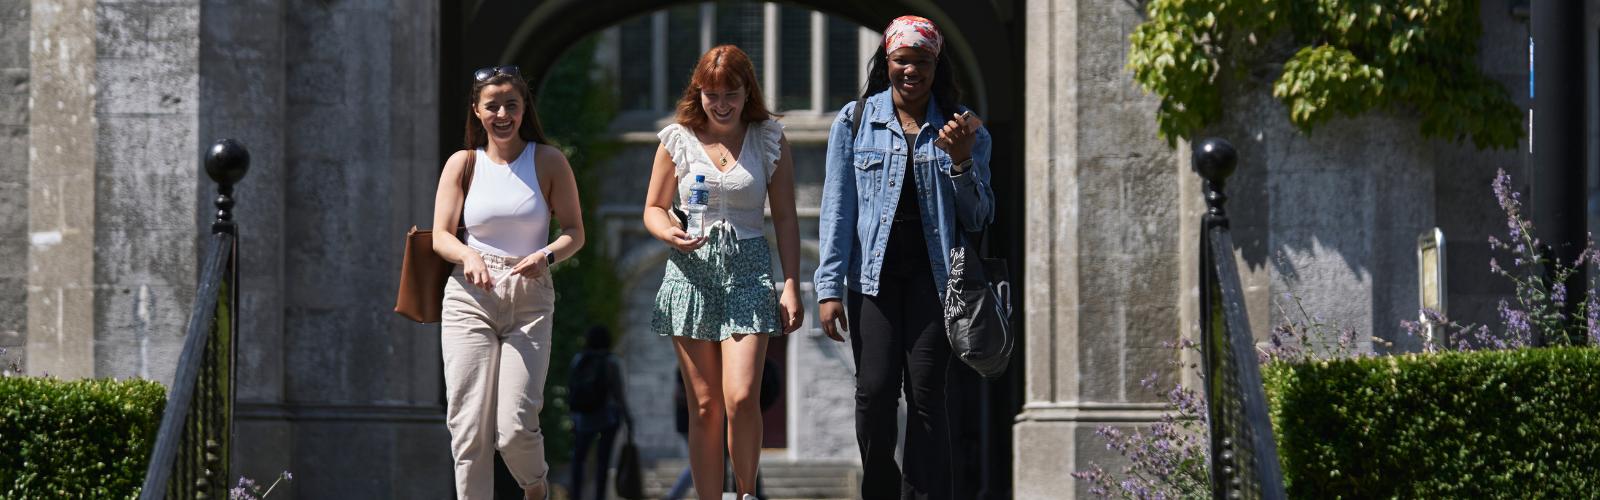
[[1215, 159], [227, 161]]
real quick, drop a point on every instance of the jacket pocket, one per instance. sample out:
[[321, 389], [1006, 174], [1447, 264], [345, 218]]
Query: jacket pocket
[[869, 172]]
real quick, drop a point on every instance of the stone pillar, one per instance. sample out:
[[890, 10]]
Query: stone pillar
[[61, 188], [112, 174], [14, 74], [1103, 249], [359, 166], [242, 86], [146, 177]]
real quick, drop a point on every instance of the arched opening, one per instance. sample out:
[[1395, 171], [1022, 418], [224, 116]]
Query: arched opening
[[645, 39]]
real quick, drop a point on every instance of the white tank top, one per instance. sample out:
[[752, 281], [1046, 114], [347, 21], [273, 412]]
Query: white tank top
[[505, 211]]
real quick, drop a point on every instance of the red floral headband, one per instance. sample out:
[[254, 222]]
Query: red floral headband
[[912, 31]]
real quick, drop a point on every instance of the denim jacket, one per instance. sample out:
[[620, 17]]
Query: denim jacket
[[862, 189]]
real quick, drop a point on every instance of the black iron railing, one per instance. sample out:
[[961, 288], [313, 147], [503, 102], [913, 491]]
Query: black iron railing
[[1244, 455], [191, 455]]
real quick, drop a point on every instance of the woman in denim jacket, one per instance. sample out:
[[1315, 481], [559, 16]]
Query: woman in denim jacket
[[900, 190]]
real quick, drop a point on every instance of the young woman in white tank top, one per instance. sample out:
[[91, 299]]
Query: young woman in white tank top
[[496, 316]]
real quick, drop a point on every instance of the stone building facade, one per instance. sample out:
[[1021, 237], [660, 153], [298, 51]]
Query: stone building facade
[[105, 107]]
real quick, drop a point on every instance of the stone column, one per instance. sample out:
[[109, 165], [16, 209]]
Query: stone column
[[360, 163], [1103, 247], [14, 74], [146, 177], [61, 194], [242, 82], [112, 175]]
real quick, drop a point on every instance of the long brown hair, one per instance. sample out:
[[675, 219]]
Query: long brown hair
[[530, 130], [725, 67]]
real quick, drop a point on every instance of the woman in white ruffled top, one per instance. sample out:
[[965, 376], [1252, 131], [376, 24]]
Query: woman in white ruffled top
[[717, 299]]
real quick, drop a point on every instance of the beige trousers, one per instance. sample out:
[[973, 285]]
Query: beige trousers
[[496, 347]]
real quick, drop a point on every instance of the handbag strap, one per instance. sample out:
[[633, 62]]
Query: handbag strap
[[465, 182]]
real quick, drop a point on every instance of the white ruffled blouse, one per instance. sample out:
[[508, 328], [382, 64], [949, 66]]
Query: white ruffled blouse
[[738, 196]]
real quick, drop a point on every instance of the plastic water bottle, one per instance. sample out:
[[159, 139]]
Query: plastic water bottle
[[695, 206]]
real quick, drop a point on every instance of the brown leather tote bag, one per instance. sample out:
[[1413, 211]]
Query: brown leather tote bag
[[423, 272]]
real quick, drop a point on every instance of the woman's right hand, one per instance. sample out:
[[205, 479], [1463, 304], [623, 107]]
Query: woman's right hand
[[831, 312], [476, 272], [677, 238]]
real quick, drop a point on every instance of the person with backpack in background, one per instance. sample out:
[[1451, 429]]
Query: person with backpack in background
[[599, 408]]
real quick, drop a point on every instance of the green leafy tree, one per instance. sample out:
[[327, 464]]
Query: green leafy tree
[[1348, 57]]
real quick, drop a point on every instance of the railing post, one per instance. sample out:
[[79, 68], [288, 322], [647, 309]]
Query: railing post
[[227, 162], [1215, 160], [192, 450], [1244, 459]]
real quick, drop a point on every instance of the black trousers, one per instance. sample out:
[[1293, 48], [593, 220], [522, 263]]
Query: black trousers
[[604, 438], [899, 344]]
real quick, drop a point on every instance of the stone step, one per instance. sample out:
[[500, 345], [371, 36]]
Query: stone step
[[780, 480]]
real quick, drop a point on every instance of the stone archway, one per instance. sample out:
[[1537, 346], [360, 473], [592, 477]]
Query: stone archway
[[984, 38]]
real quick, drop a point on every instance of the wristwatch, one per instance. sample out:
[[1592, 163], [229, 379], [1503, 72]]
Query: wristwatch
[[962, 167], [549, 257]]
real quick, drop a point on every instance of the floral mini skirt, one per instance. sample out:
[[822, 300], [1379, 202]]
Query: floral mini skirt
[[722, 289]]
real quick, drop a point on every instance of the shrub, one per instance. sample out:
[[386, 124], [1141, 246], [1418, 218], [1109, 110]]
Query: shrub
[[76, 439], [1489, 424]]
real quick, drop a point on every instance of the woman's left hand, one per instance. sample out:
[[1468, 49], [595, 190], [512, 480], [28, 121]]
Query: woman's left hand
[[959, 135], [790, 314], [532, 266]]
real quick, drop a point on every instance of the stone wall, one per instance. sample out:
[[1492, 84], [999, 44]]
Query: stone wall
[[1103, 248], [14, 76], [111, 176], [1332, 218], [61, 188], [1336, 215], [146, 177], [336, 102], [1465, 206]]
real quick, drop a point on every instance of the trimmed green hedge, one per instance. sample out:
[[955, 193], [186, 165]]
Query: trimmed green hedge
[[1488, 424], [76, 439]]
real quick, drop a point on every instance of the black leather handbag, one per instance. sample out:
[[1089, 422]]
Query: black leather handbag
[[630, 477], [977, 310]]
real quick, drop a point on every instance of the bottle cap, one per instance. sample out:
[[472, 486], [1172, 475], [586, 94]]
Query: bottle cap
[[699, 178]]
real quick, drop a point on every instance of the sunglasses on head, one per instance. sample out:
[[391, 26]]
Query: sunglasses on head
[[484, 74]]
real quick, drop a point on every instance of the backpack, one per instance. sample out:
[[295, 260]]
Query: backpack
[[587, 387]]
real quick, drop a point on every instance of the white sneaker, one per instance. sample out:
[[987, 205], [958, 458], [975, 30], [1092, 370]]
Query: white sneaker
[[748, 496]]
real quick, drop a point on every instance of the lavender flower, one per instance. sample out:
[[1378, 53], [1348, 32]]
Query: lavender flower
[[248, 489]]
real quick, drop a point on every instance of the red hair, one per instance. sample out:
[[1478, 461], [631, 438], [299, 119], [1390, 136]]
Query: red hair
[[722, 67]]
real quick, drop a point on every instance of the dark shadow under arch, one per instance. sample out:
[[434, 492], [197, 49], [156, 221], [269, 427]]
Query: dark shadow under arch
[[986, 40]]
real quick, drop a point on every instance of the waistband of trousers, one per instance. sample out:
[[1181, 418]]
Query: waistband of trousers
[[493, 261]]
